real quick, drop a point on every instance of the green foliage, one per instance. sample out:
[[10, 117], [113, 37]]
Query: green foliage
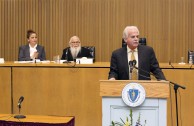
[[127, 122]]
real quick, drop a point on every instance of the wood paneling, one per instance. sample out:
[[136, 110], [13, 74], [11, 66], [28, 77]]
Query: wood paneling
[[182, 77], [60, 91], [167, 25], [5, 90]]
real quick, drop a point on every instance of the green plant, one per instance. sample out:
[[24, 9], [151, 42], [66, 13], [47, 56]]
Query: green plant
[[129, 122]]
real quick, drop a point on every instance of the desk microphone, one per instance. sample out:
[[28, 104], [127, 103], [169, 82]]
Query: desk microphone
[[170, 64], [66, 53], [20, 101], [19, 106], [34, 60]]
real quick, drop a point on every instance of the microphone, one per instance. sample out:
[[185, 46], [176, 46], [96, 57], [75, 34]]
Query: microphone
[[19, 106], [134, 63], [176, 86], [171, 64], [20, 100], [131, 66], [66, 53]]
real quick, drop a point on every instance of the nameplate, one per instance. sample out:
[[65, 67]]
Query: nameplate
[[2, 60], [84, 60]]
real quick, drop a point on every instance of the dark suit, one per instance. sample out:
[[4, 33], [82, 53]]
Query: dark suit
[[147, 62], [24, 53], [68, 56]]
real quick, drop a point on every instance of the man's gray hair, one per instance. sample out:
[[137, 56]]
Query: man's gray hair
[[126, 31]]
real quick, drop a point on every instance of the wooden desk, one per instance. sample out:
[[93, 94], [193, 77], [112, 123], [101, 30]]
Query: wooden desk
[[60, 89], [36, 120]]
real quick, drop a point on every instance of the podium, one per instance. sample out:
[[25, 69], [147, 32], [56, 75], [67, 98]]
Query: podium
[[153, 110]]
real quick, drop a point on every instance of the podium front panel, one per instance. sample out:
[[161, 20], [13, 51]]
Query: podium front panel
[[152, 110]]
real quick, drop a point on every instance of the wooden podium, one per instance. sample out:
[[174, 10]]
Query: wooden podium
[[153, 109]]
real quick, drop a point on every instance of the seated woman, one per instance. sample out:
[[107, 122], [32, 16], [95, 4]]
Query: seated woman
[[32, 50], [75, 50]]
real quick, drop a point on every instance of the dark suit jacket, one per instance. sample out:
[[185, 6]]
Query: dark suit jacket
[[83, 53], [24, 53], [147, 62]]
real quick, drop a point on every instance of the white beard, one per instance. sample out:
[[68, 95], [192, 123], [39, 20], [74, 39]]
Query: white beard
[[75, 51]]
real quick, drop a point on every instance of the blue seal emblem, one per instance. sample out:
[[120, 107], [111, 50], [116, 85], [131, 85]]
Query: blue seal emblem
[[133, 94]]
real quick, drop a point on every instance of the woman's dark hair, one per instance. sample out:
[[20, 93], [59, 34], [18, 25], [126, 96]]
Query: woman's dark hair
[[29, 32]]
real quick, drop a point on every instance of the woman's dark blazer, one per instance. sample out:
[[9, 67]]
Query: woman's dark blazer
[[24, 53]]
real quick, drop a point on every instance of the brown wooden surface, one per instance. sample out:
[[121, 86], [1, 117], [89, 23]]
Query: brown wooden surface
[[185, 78], [96, 64], [153, 89], [52, 64], [5, 90], [65, 91], [167, 25], [37, 118], [60, 91]]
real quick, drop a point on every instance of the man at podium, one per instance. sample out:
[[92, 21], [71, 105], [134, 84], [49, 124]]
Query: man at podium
[[134, 61]]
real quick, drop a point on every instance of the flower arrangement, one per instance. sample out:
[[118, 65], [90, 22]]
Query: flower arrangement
[[127, 122]]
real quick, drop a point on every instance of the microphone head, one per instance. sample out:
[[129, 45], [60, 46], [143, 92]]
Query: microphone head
[[20, 100], [130, 63], [134, 62]]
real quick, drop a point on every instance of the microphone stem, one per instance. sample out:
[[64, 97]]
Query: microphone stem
[[130, 75], [176, 86], [19, 109]]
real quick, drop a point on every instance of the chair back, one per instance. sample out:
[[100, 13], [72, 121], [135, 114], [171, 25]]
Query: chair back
[[142, 41], [92, 51]]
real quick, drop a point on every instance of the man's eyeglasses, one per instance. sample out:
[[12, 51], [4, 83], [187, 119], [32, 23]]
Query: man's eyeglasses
[[75, 42]]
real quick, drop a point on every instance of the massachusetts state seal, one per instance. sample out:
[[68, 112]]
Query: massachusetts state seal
[[133, 94]]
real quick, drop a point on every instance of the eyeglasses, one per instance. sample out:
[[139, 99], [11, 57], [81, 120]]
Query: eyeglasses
[[76, 42]]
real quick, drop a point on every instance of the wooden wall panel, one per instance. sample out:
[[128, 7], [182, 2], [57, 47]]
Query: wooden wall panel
[[167, 25], [5, 90]]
